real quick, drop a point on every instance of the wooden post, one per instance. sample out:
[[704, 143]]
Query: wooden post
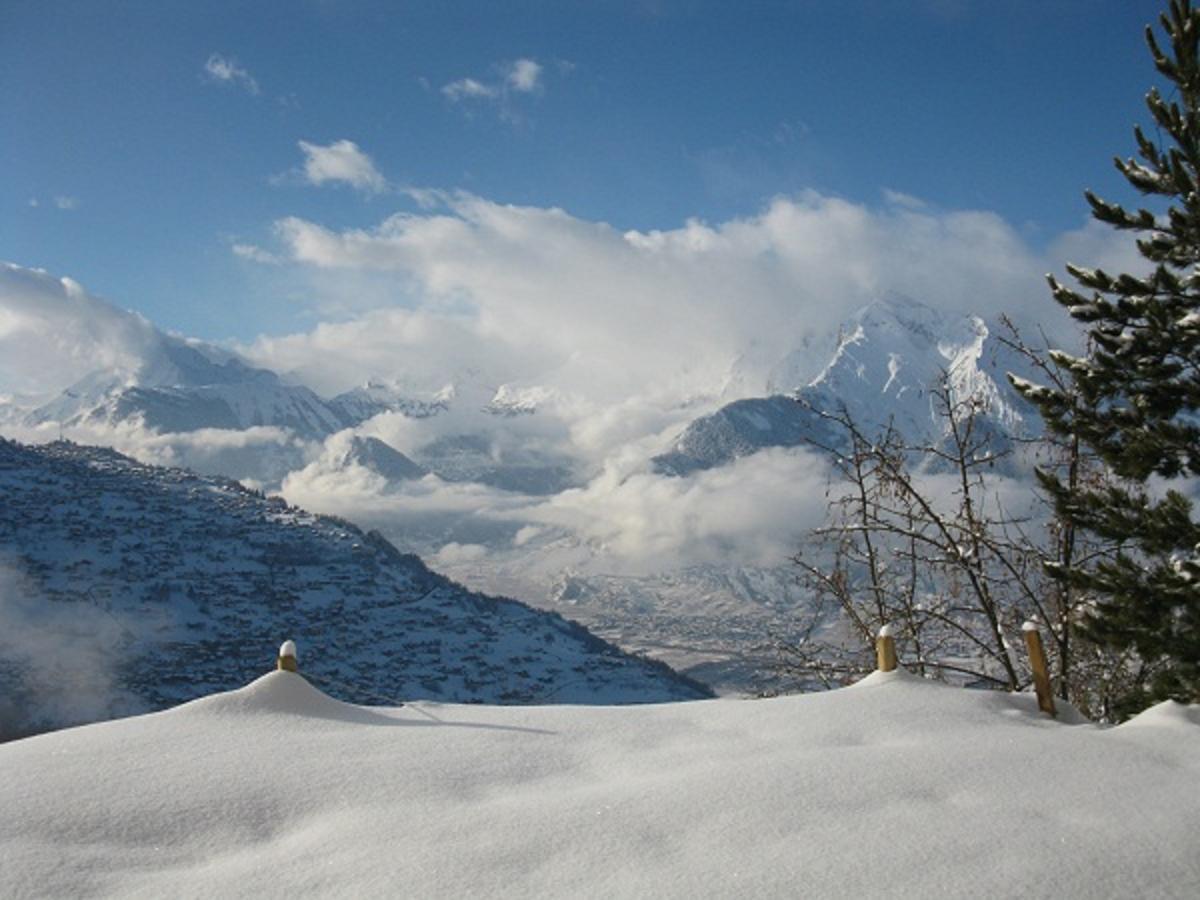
[[287, 657], [1041, 672], [885, 649]]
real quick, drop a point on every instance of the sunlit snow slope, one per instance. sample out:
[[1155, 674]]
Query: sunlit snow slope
[[895, 787]]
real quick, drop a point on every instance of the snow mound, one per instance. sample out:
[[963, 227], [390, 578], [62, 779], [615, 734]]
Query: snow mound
[[896, 676], [286, 693], [1168, 714], [897, 788]]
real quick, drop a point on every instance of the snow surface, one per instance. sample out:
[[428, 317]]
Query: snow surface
[[893, 787]]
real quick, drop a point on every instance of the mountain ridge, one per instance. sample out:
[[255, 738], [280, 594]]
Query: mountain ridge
[[175, 584], [885, 372]]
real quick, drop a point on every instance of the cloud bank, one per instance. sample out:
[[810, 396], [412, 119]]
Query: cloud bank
[[750, 513], [632, 333], [536, 293], [623, 336], [53, 333]]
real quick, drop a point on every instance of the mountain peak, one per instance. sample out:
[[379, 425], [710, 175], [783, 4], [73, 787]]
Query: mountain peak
[[887, 363], [381, 458]]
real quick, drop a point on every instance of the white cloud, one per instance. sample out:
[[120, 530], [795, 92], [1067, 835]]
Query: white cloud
[[260, 454], [526, 534], [749, 513], [256, 254], [65, 655], [52, 332], [469, 89], [524, 75], [341, 161], [225, 70], [455, 553], [1097, 246], [540, 296], [63, 202], [177, 448], [899, 198]]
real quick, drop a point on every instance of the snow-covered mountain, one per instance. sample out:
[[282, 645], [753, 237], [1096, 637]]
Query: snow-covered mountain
[[470, 389], [888, 360], [383, 460], [484, 458], [174, 386], [581, 473], [744, 427], [181, 386], [378, 396], [164, 585]]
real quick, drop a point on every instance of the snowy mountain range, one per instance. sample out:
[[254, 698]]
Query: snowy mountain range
[[890, 356], [129, 587], [180, 386], [617, 513], [885, 361]]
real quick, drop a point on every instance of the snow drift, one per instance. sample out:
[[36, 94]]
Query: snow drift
[[895, 786]]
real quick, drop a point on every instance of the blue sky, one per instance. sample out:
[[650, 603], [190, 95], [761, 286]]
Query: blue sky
[[145, 141]]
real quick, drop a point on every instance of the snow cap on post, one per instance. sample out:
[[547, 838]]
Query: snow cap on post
[[885, 649], [287, 657]]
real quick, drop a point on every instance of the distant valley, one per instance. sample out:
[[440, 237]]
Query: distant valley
[[671, 535]]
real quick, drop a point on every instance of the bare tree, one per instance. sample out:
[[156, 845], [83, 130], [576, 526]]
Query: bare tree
[[919, 537]]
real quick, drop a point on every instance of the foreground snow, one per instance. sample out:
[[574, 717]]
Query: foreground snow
[[892, 787]]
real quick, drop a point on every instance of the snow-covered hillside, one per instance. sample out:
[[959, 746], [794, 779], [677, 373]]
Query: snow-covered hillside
[[126, 587], [895, 787]]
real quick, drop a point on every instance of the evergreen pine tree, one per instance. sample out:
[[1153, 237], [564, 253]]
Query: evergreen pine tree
[[1136, 393]]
